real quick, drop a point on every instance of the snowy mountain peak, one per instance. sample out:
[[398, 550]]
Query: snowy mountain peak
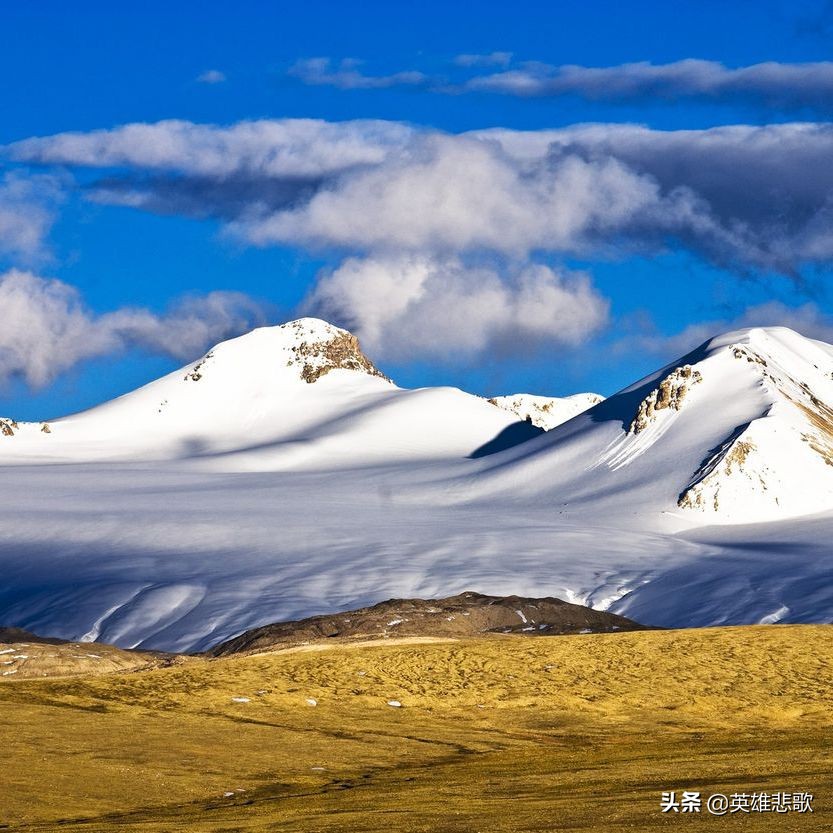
[[312, 346], [783, 456], [772, 391], [762, 338], [739, 430], [302, 394]]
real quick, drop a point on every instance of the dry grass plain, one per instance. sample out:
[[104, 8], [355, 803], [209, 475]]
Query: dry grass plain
[[495, 734]]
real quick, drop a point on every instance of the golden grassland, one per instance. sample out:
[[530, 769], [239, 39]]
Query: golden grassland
[[494, 734]]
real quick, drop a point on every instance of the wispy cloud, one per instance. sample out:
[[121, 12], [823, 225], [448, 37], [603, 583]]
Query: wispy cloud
[[492, 59], [782, 84], [347, 75], [266, 148], [28, 209], [48, 329], [211, 76], [788, 86]]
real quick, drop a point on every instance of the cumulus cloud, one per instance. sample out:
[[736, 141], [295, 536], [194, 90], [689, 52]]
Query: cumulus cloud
[[28, 206], [462, 193], [402, 305], [749, 198], [782, 84], [746, 197], [409, 210], [347, 75], [48, 329], [211, 76]]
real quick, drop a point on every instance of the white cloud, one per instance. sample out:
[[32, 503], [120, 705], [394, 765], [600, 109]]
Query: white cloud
[[784, 85], [28, 205], [409, 210], [406, 305], [771, 82], [47, 329], [265, 148], [346, 75], [747, 197], [447, 193], [211, 76]]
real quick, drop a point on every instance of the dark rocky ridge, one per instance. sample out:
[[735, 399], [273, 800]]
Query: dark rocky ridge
[[468, 614], [11, 635]]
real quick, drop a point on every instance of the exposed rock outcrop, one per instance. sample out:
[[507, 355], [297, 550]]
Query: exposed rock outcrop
[[669, 394], [342, 351]]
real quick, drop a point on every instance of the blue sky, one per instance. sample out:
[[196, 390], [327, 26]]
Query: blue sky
[[138, 246]]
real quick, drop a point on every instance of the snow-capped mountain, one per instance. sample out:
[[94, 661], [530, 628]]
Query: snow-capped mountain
[[282, 476], [739, 430], [546, 411], [302, 393]]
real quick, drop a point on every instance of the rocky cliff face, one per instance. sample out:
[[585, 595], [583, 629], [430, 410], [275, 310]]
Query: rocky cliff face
[[670, 393], [339, 351]]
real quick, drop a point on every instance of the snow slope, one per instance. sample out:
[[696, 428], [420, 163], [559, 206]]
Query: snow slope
[[191, 510], [739, 430], [546, 411]]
